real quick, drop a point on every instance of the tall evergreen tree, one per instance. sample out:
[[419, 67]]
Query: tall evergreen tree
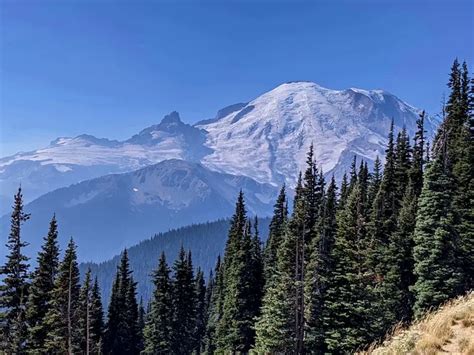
[[121, 335], [275, 236], [418, 160], [42, 285], [200, 324], [215, 308], [319, 271], [348, 300], [275, 327], [96, 316], [435, 250], [14, 287], [62, 319], [84, 310], [158, 328], [184, 310]]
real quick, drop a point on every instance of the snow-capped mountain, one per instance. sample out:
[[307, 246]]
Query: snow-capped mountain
[[70, 160], [265, 139], [269, 137], [108, 213]]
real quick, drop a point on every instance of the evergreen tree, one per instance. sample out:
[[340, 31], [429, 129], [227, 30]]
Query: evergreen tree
[[121, 335], [96, 316], [42, 285], [435, 249], [14, 287], [158, 328], [375, 179], [319, 271], [200, 324], [84, 304], [344, 191], [349, 302], [275, 327], [141, 326], [215, 308], [275, 236], [62, 319], [184, 301], [418, 160]]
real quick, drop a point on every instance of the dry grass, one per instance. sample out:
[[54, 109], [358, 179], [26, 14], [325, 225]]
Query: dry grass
[[449, 330]]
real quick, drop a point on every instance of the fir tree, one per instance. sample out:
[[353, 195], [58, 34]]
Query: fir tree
[[275, 236], [319, 271], [62, 319], [84, 304], [348, 305], [184, 310], [215, 308], [14, 287], [121, 336], [418, 160], [158, 328], [275, 327], [200, 324], [96, 316], [435, 247], [42, 285]]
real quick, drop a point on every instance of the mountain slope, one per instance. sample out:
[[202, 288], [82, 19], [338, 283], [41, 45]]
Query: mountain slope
[[205, 240], [269, 137], [106, 214], [448, 330], [70, 160], [265, 139]]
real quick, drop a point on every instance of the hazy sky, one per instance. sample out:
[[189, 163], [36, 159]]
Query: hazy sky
[[111, 68]]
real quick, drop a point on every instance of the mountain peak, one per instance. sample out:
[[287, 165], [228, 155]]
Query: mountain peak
[[171, 118]]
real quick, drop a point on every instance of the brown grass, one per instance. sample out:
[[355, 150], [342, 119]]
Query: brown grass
[[446, 330]]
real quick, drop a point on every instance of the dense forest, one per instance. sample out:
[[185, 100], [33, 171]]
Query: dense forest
[[206, 241], [337, 271]]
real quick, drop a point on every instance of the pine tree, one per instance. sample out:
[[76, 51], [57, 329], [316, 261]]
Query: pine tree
[[418, 160], [214, 312], [348, 305], [96, 316], [121, 335], [141, 326], [62, 319], [184, 310], [200, 324], [275, 327], [400, 276], [319, 271], [42, 285], [275, 236], [435, 250], [158, 328], [344, 191], [84, 308], [14, 287]]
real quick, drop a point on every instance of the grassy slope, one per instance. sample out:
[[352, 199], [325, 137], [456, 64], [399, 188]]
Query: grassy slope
[[448, 330]]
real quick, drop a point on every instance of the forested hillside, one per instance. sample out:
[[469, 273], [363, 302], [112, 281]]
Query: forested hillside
[[338, 270], [206, 241]]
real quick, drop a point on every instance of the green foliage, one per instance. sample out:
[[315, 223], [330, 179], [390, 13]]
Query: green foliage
[[14, 288], [42, 286], [62, 319]]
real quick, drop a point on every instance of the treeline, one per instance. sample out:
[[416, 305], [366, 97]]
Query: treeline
[[336, 273]]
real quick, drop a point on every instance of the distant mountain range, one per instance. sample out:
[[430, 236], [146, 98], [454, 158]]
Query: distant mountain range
[[106, 214], [256, 146]]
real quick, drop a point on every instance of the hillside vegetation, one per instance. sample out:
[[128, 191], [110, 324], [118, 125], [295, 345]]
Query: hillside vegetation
[[448, 330]]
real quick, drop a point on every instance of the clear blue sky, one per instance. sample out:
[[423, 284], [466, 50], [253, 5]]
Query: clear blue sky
[[111, 68]]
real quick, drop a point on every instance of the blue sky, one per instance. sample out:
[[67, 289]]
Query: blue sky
[[111, 68]]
